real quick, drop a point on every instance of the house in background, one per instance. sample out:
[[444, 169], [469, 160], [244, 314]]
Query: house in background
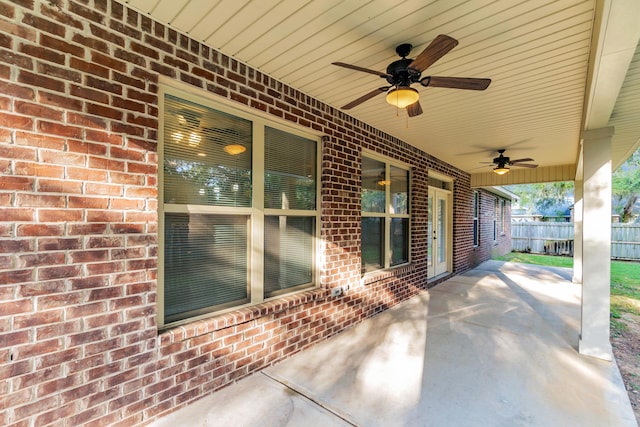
[[183, 202]]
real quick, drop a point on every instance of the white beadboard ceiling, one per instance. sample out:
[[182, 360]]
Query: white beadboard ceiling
[[537, 54]]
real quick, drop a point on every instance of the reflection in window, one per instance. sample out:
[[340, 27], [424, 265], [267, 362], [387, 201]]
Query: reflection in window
[[399, 240], [373, 185], [290, 187], [197, 169], [289, 252], [372, 244], [385, 214], [399, 190], [290, 171], [209, 216]]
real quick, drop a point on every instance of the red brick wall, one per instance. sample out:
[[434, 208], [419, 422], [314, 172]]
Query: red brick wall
[[504, 239], [489, 247], [78, 221]]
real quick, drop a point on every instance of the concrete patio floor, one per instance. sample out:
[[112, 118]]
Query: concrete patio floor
[[495, 346]]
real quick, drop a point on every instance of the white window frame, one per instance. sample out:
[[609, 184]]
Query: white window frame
[[387, 215], [256, 213]]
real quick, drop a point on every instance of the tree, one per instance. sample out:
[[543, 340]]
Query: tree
[[626, 187], [556, 198], [550, 199]]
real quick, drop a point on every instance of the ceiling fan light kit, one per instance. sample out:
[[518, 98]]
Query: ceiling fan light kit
[[501, 170], [502, 163], [234, 149], [402, 96], [401, 74]]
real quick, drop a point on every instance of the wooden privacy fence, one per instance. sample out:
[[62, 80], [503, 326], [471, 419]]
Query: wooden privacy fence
[[556, 238]]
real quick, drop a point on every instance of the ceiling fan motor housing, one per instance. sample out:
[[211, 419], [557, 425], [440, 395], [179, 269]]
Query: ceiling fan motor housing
[[398, 72], [501, 160]]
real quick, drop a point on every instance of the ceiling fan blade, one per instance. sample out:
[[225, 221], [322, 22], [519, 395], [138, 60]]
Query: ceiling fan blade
[[457, 82], [521, 160], [364, 98], [364, 70], [414, 109], [439, 47], [526, 165]]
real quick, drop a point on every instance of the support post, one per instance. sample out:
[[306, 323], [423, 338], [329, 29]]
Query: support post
[[577, 231], [596, 243]]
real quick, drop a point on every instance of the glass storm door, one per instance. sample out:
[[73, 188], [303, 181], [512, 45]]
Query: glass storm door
[[438, 252]]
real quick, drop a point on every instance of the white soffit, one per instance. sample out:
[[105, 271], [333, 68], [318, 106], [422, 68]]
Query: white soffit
[[614, 92], [536, 53]]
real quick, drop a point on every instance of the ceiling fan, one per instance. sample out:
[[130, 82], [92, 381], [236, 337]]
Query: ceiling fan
[[502, 163], [401, 74]]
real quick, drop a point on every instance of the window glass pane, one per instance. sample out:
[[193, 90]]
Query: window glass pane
[[200, 166], [373, 185], [205, 263], [476, 236], [476, 204], [442, 236], [399, 241], [290, 171], [372, 243], [399, 190], [288, 253]]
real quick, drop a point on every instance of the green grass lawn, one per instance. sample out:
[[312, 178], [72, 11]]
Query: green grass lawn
[[552, 261], [625, 281]]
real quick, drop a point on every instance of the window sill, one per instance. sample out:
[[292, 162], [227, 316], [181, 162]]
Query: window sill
[[239, 316], [376, 276]]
